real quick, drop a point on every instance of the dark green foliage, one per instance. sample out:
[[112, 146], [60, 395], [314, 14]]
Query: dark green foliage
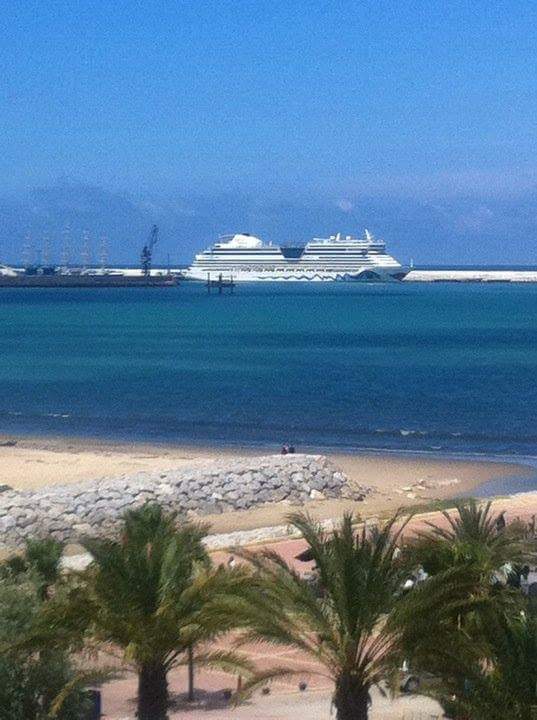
[[30, 681], [41, 559], [509, 680]]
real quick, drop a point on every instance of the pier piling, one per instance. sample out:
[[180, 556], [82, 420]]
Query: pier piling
[[220, 284]]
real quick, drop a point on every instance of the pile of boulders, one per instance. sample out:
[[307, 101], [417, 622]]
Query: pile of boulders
[[81, 509]]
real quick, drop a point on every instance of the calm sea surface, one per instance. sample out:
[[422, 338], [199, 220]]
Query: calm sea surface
[[413, 366]]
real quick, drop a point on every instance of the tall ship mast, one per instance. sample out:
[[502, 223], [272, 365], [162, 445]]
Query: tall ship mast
[[246, 258]]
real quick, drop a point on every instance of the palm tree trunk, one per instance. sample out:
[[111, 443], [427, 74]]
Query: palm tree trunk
[[190, 654], [152, 692], [351, 699]]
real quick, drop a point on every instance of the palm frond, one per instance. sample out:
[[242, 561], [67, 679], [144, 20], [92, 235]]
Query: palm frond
[[227, 660], [81, 679]]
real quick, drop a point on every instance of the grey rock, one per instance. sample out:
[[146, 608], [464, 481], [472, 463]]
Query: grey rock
[[7, 522], [96, 508]]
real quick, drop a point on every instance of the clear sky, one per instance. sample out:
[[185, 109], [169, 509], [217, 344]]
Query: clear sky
[[416, 119]]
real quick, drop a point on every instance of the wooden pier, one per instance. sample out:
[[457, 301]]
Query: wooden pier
[[220, 284]]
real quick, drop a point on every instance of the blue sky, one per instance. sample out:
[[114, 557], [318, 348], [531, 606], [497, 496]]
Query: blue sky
[[415, 119]]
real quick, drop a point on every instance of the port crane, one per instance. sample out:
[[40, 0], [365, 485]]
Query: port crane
[[147, 251]]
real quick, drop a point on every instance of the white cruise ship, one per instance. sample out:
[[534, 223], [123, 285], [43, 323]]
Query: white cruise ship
[[245, 258]]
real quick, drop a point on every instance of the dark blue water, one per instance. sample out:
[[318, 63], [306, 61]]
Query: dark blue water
[[449, 368]]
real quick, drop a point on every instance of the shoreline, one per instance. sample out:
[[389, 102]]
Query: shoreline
[[398, 479], [119, 444]]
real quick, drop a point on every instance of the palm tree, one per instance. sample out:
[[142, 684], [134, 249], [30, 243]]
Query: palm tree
[[472, 534], [445, 625], [485, 667], [153, 594], [340, 623], [508, 680], [463, 555]]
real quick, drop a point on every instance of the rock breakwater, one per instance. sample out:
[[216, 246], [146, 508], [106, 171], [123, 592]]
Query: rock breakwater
[[95, 508]]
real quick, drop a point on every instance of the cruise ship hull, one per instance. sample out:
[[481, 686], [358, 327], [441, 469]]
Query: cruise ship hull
[[379, 274]]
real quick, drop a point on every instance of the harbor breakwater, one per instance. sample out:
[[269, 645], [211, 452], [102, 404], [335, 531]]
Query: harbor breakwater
[[70, 512], [478, 275]]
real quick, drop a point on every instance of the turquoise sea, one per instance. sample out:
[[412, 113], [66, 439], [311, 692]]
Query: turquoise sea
[[438, 367]]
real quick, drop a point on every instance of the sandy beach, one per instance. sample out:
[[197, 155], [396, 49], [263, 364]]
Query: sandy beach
[[397, 479]]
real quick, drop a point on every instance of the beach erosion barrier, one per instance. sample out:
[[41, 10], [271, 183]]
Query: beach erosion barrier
[[73, 511]]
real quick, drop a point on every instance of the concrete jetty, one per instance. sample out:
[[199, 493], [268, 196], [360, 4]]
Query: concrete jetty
[[461, 276]]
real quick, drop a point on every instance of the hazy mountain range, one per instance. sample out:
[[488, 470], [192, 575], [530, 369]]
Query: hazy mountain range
[[459, 229]]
